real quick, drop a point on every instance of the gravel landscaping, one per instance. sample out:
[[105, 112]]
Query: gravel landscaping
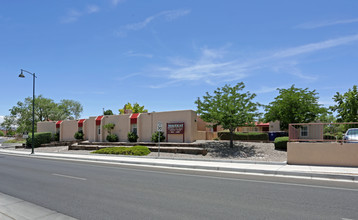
[[216, 150]]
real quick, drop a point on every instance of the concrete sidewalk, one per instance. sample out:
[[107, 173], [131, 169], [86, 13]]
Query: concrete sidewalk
[[244, 167], [12, 208]]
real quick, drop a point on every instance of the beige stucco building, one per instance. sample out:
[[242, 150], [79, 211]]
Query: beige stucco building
[[178, 126]]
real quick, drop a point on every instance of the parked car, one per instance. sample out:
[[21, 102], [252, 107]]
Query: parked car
[[351, 136]]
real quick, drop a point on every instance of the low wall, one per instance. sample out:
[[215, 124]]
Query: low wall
[[331, 154]]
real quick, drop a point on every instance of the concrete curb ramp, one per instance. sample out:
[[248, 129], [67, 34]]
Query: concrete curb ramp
[[246, 167], [12, 208]]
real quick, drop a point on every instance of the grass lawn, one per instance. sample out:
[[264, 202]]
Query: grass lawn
[[14, 141], [135, 150]]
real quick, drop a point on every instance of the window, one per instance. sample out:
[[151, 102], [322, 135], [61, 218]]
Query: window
[[134, 128], [304, 131], [99, 130]]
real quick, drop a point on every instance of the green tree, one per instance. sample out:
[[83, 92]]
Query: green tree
[[45, 109], [71, 109], [108, 112], [294, 105], [136, 108], [228, 107], [347, 105], [9, 123], [109, 127]]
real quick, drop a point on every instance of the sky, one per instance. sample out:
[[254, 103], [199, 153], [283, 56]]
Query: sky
[[165, 54]]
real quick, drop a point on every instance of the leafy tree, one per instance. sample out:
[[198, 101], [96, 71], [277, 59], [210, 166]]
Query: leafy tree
[[347, 105], [8, 123], [71, 109], [45, 109], [109, 127], [136, 108], [228, 107], [294, 105], [108, 112]]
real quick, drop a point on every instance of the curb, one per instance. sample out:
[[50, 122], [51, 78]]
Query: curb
[[297, 174]]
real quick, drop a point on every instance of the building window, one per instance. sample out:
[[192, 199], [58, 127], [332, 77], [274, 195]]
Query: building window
[[134, 128], [304, 131], [99, 130]]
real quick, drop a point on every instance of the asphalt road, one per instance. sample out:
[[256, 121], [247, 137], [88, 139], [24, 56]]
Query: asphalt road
[[95, 191]]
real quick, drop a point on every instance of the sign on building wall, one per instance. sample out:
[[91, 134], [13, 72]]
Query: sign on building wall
[[175, 128]]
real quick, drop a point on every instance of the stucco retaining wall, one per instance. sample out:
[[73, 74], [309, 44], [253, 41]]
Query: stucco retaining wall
[[331, 154]]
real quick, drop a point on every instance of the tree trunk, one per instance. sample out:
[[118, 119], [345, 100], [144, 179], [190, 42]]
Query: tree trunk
[[231, 138]]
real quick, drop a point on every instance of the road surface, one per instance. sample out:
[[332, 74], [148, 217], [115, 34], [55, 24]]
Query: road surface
[[99, 191]]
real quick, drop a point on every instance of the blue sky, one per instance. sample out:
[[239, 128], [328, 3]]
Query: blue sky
[[164, 54]]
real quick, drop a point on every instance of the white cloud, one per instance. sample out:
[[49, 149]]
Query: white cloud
[[73, 15], [312, 25], [134, 54], [308, 48], [1, 119], [116, 2], [92, 9], [212, 67], [167, 15]]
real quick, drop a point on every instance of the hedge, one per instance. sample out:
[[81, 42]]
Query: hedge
[[1, 133], [39, 138], [253, 136], [137, 150], [281, 143]]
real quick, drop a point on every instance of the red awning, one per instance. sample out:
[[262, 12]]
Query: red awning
[[134, 117], [260, 124], [98, 120], [80, 123], [58, 123]]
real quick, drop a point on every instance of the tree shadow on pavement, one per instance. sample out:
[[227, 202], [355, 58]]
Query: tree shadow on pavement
[[239, 150]]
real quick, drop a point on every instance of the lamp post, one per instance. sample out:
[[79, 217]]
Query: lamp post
[[33, 106]]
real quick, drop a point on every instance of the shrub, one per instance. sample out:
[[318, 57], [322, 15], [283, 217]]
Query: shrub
[[132, 137], [281, 143], [39, 138], [79, 135], [156, 134], [329, 136], [112, 138], [10, 133], [253, 136], [137, 150], [56, 136], [216, 139], [1, 133]]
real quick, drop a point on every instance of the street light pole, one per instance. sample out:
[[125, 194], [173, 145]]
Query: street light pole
[[33, 106]]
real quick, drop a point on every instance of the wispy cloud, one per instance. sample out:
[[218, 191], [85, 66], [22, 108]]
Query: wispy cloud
[[166, 15], [73, 15], [116, 2], [1, 119], [308, 48], [134, 54], [213, 67], [313, 25]]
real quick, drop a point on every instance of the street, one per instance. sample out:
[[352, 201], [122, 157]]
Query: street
[[94, 191]]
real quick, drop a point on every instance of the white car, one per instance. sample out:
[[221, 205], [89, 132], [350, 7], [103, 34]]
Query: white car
[[351, 136]]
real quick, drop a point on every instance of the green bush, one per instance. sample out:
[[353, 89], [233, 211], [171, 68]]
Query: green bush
[[281, 143], [112, 138], [155, 136], [137, 150], [39, 138], [253, 136], [10, 133], [78, 135], [56, 136], [132, 137], [1, 133]]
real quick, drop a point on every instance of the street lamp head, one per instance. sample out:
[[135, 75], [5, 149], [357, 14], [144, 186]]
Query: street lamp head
[[21, 75]]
